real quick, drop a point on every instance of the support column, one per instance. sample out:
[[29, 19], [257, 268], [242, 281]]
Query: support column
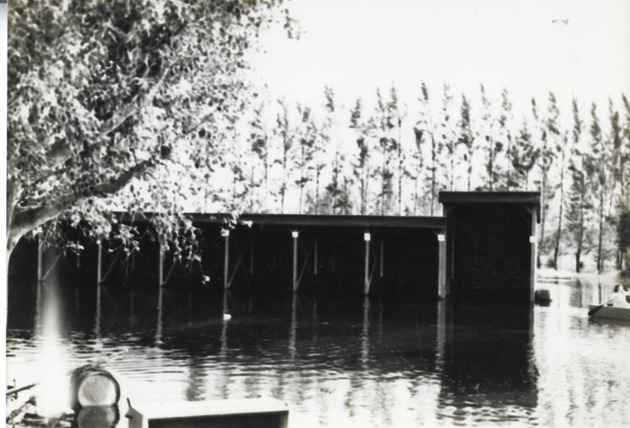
[[442, 288], [161, 267], [315, 258], [295, 234], [367, 237], [40, 259], [99, 265], [533, 255], [382, 258], [251, 256], [97, 321], [225, 233]]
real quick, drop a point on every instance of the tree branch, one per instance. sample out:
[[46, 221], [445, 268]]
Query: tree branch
[[133, 107], [29, 219]]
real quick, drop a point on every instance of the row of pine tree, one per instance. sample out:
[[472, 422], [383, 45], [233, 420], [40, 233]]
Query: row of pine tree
[[393, 159]]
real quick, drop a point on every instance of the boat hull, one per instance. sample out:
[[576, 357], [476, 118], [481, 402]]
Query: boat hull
[[611, 312]]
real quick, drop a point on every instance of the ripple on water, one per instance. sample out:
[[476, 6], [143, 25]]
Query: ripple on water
[[367, 368]]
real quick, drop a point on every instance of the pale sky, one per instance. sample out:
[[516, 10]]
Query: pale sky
[[576, 47]]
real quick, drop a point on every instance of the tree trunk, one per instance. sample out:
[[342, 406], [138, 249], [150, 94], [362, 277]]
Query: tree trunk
[[433, 169], [382, 194], [364, 186], [581, 227], [451, 173], [469, 169], [284, 181], [300, 199], [543, 213], [491, 168], [557, 246], [317, 172], [432, 187], [600, 260], [509, 171], [400, 174], [266, 176], [415, 194], [578, 253]]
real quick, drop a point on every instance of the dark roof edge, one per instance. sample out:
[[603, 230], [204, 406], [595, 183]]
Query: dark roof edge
[[526, 198], [299, 220], [531, 199]]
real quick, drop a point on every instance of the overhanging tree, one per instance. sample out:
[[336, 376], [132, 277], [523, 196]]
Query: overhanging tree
[[102, 94]]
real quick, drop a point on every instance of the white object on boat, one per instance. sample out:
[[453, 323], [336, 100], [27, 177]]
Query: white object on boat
[[611, 312]]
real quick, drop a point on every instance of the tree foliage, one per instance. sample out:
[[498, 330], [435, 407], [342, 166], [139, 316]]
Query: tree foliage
[[105, 93]]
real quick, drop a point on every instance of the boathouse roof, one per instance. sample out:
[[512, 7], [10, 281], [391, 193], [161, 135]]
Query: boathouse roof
[[302, 220], [531, 199]]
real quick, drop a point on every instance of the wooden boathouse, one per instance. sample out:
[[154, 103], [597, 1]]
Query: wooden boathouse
[[280, 254], [481, 250]]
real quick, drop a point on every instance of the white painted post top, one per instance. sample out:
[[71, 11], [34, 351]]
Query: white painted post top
[[440, 237], [225, 232], [367, 236], [295, 233]]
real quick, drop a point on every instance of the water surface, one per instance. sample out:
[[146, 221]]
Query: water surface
[[357, 364]]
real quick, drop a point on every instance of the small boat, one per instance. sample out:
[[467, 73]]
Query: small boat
[[611, 312]]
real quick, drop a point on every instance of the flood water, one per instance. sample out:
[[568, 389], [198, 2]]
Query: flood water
[[357, 364]]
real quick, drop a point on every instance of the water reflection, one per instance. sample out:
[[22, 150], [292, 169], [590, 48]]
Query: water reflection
[[97, 417], [487, 370], [357, 364]]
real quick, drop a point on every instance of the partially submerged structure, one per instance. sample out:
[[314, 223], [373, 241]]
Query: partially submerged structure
[[491, 246], [483, 249]]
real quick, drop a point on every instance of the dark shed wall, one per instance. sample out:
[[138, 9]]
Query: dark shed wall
[[490, 248], [489, 253]]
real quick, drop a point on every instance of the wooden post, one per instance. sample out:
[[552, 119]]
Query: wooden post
[[442, 289], [251, 256], [225, 233], [158, 329], [365, 334], [161, 267], [40, 259], [382, 258], [367, 237], [293, 328], [315, 258], [532, 243], [295, 234], [99, 264], [451, 270], [97, 321]]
